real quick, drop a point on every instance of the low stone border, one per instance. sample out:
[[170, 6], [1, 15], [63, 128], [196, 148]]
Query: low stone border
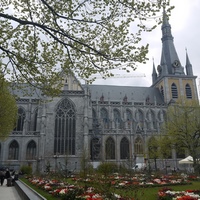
[[27, 193]]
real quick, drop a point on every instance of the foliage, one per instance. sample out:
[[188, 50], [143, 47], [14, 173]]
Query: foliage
[[123, 169], [41, 40], [86, 167], [183, 126], [159, 146], [25, 169], [153, 148], [165, 146], [8, 110], [107, 168]]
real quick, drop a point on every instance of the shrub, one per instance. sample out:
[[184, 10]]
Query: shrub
[[26, 169], [107, 168]]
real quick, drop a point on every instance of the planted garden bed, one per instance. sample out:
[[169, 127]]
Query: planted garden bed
[[107, 187]]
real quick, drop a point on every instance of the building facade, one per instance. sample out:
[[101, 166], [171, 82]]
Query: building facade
[[98, 122]]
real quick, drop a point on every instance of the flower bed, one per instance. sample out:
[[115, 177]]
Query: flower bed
[[137, 180], [89, 188], [169, 194], [70, 191]]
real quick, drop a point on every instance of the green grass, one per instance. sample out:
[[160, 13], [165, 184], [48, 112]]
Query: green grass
[[150, 193]]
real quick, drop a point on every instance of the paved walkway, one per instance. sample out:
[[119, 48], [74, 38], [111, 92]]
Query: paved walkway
[[8, 193]]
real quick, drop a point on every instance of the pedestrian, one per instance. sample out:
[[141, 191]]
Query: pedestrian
[[13, 177], [7, 176], [2, 176]]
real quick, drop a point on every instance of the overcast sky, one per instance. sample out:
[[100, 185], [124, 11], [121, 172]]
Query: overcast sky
[[185, 24]]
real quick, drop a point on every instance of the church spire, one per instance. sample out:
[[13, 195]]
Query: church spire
[[188, 66], [154, 74], [168, 48]]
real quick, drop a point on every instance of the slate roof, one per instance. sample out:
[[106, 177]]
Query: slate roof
[[26, 91], [109, 92], [117, 93]]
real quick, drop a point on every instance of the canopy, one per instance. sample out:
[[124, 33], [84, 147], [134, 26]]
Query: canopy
[[187, 160]]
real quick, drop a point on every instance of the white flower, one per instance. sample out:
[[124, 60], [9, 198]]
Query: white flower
[[117, 195], [63, 191]]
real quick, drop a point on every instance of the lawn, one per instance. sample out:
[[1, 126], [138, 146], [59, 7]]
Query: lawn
[[150, 193]]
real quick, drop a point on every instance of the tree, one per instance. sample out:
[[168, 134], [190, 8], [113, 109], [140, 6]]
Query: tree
[[153, 150], [40, 40], [159, 146], [165, 146], [8, 110], [165, 149], [183, 126]]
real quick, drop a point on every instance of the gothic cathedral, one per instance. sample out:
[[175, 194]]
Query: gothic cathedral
[[99, 122]]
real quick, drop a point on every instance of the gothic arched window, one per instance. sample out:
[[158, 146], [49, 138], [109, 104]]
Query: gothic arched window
[[117, 119], [20, 120], [95, 148], [110, 149], [174, 91], [188, 91], [138, 146], [160, 116], [140, 118], [124, 149], [104, 118], [35, 119], [94, 116], [65, 128], [31, 151], [13, 153], [129, 118], [153, 120]]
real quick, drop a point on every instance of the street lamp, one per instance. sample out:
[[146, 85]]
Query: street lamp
[[38, 164], [56, 157]]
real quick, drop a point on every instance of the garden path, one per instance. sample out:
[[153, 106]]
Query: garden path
[[8, 193]]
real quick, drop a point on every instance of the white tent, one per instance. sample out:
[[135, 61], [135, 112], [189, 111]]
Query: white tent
[[187, 160]]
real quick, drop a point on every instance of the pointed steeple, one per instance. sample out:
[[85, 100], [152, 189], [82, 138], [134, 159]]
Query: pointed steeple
[[188, 66], [168, 48], [166, 28], [163, 64], [154, 74]]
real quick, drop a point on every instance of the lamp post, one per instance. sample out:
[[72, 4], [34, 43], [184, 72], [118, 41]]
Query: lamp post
[[149, 165], [38, 164], [56, 157], [75, 165]]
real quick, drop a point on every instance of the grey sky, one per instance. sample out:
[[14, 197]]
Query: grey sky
[[185, 24]]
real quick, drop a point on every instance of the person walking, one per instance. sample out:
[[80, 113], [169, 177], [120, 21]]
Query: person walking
[[7, 176], [2, 176]]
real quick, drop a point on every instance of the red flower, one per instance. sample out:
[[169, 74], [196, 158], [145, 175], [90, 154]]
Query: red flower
[[187, 198], [113, 182], [189, 191]]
